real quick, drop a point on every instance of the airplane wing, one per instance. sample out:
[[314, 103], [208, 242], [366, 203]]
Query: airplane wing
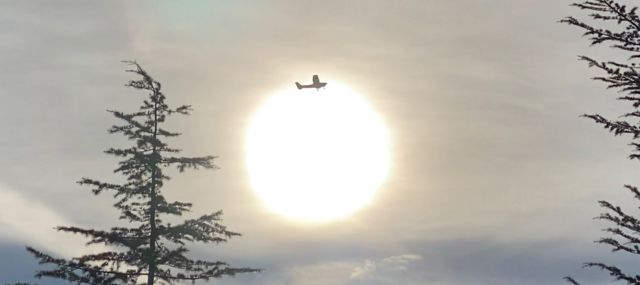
[[316, 80]]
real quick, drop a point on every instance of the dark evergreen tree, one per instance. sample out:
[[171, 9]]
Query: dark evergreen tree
[[150, 251], [618, 26]]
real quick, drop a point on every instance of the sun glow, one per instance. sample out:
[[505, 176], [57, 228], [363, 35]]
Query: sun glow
[[316, 155]]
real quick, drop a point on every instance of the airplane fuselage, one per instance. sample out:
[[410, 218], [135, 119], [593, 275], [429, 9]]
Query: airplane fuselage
[[316, 86]]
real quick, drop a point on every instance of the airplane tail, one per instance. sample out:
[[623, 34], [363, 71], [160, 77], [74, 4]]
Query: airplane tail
[[298, 85]]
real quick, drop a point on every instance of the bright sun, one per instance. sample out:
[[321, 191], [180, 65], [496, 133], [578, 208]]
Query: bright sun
[[316, 155]]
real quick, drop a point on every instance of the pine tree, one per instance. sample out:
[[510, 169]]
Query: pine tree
[[623, 35], [150, 251]]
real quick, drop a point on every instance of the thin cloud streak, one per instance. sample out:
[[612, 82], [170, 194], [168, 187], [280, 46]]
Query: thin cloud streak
[[25, 220], [376, 269]]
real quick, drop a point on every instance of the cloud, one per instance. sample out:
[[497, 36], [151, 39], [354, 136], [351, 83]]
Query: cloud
[[25, 220], [395, 269], [377, 270], [334, 273]]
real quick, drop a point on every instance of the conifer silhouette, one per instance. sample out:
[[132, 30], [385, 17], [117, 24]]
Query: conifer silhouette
[[623, 35], [149, 251]]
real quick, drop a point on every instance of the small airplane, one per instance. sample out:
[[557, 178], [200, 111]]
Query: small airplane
[[316, 84]]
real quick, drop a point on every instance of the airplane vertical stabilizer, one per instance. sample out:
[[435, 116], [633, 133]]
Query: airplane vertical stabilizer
[[298, 85]]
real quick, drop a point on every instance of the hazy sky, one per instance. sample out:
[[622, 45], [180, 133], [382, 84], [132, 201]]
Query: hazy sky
[[494, 177]]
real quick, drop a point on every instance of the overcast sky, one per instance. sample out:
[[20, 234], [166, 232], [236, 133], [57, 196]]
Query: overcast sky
[[494, 178]]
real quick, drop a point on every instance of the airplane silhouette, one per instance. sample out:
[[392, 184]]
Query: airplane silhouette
[[316, 84]]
